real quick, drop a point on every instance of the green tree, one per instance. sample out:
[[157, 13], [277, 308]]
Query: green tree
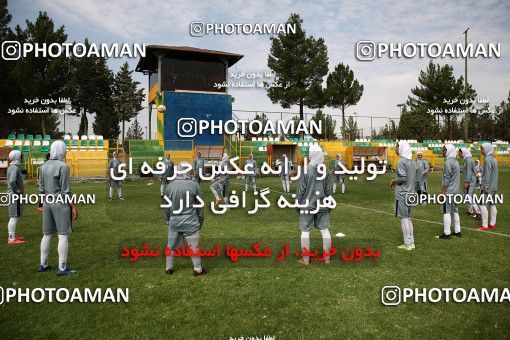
[[135, 131], [343, 90], [416, 124], [43, 77], [328, 125], [351, 130], [503, 119], [438, 88], [90, 85], [127, 97], [299, 63]]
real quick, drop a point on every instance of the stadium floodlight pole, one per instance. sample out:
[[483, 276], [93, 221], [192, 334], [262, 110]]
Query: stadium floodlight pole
[[466, 116]]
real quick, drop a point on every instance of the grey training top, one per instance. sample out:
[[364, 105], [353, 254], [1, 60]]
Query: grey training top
[[405, 181], [169, 168], [114, 164], [14, 179], [451, 176], [490, 174], [190, 219], [55, 178], [308, 187], [421, 166], [198, 163], [469, 171], [253, 167]]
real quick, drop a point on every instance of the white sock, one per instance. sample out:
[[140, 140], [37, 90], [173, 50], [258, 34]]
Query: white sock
[[456, 222], [162, 189], [111, 192], [169, 262], [254, 187], [305, 243], [334, 187], [284, 185], [326, 243], [11, 227], [485, 216], [119, 191], [45, 249], [288, 185], [215, 193], [476, 209], [494, 213], [410, 231], [343, 187], [246, 187], [63, 246], [447, 221]]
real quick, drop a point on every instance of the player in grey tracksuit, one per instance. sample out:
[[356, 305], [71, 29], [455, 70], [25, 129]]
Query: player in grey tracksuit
[[450, 186], [422, 169], [14, 187], [186, 224], [198, 167], [469, 174], [337, 178], [314, 190], [114, 164], [251, 165], [55, 181], [489, 186], [404, 187], [169, 172], [285, 168], [221, 182]]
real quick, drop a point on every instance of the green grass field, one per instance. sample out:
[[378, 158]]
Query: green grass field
[[260, 298]]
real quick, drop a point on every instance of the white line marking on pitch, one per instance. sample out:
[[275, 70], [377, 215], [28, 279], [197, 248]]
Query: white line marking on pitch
[[392, 214]]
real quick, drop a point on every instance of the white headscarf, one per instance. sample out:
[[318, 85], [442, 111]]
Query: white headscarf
[[450, 151], [489, 149], [316, 155], [180, 167], [15, 157], [404, 150], [58, 150], [465, 153]]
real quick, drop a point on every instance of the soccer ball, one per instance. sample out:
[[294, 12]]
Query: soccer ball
[[161, 108]]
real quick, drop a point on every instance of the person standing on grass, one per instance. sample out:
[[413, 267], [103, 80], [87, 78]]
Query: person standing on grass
[[185, 224], [169, 172], [40, 206], [478, 171], [285, 167], [469, 174], [312, 190], [450, 187], [198, 168], [14, 187], [489, 187], [114, 166], [404, 185], [337, 178], [251, 165], [221, 182], [55, 180], [422, 169]]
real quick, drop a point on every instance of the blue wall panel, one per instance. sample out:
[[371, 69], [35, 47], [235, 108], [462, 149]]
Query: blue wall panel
[[199, 106]]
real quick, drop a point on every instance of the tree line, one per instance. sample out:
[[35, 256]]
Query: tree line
[[300, 64], [92, 87]]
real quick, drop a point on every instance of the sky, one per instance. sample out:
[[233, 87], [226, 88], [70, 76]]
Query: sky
[[387, 82]]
